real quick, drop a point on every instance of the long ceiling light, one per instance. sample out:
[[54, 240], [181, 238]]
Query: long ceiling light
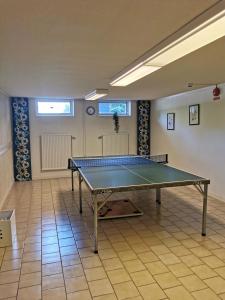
[[187, 42], [96, 94]]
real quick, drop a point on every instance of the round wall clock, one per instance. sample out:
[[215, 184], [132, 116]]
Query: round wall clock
[[90, 110]]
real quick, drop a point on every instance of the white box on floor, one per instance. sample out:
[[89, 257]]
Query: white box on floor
[[7, 227]]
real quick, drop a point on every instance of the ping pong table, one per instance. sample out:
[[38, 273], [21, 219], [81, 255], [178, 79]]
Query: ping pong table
[[107, 175]]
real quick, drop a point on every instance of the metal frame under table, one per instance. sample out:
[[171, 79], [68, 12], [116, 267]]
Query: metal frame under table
[[201, 184]]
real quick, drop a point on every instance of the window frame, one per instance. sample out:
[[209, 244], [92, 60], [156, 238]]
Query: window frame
[[70, 114], [128, 108]]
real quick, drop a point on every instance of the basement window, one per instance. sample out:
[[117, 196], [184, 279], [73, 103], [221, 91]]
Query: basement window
[[108, 108], [54, 107]]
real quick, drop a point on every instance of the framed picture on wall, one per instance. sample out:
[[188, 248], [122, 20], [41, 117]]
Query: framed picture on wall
[[170, 121], [194, 114]]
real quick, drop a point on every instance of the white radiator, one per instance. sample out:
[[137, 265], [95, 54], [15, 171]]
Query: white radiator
[[55, 151], [115, 144]]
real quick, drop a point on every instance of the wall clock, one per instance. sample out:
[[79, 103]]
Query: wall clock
[[90, 110]]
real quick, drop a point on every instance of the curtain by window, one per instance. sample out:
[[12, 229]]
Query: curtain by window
[[21, 139], [143, 127]]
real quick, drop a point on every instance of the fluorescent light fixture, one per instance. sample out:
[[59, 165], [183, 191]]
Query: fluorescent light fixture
[[134, 74], [201, 35], [96, 94]]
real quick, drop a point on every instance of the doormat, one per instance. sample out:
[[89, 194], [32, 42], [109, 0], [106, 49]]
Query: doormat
[[121, 208]]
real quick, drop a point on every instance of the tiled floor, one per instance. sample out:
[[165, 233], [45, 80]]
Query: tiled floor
[[160, 255]]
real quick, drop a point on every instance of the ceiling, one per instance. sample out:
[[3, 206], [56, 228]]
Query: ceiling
[[67, 48]]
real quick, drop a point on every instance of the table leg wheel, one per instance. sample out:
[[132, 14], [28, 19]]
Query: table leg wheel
[[96, 251], [203, 234]]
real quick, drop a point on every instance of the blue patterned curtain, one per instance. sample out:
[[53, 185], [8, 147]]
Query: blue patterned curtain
[[143, 127], [21, 139]]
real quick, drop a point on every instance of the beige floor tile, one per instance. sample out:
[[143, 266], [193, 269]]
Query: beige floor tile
[[134, 265], [200, 251], [192, 283], [51, 258], [107, 253], [91, 262], [220, 271], [162, 234], [54, 294], [28, 292], [171, 242], [178, 293], [51, 269], [80, 295], [156, 267], [152, 292], [120, 246], [169, 259], [142, 278], [180, 250], [73, 271], [118, 276], [213, 261], [180, 270], [95, 273], [52, 281], [8, 290], [70, 260], [9, 276], [13, 264], [180, 236], [220, 253], [127, 255], [217, 284], [31, 256], [205, 294], [146, 257], [30, 279], [211, 245], [125, 290], [140, 247], [190, 243], [112, 264], [76, 284], [160, 249], [167, 280], [106, 297], [203, 272], [12, 254], [191, 260], [31, 267], [100, 287]]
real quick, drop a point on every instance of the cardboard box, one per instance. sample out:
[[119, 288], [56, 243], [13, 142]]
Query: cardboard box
[[7, 227]]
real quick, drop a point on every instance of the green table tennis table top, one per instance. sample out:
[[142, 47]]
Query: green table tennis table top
[[135, 177]]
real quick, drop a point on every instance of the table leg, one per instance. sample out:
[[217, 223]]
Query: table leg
[[158, 196], [95, 224], [72, 180], [80, 193], [205, 195]]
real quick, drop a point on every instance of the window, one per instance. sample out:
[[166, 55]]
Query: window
[[108, 108], [54, 107]]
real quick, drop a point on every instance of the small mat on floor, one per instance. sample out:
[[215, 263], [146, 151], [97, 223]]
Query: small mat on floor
[[119, 209]]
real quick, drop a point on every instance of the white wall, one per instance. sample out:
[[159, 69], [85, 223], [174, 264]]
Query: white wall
[[197, 149], [6, 162], [85, 128]]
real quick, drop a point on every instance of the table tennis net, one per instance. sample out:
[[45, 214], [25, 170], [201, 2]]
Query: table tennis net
[[75, 163]]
